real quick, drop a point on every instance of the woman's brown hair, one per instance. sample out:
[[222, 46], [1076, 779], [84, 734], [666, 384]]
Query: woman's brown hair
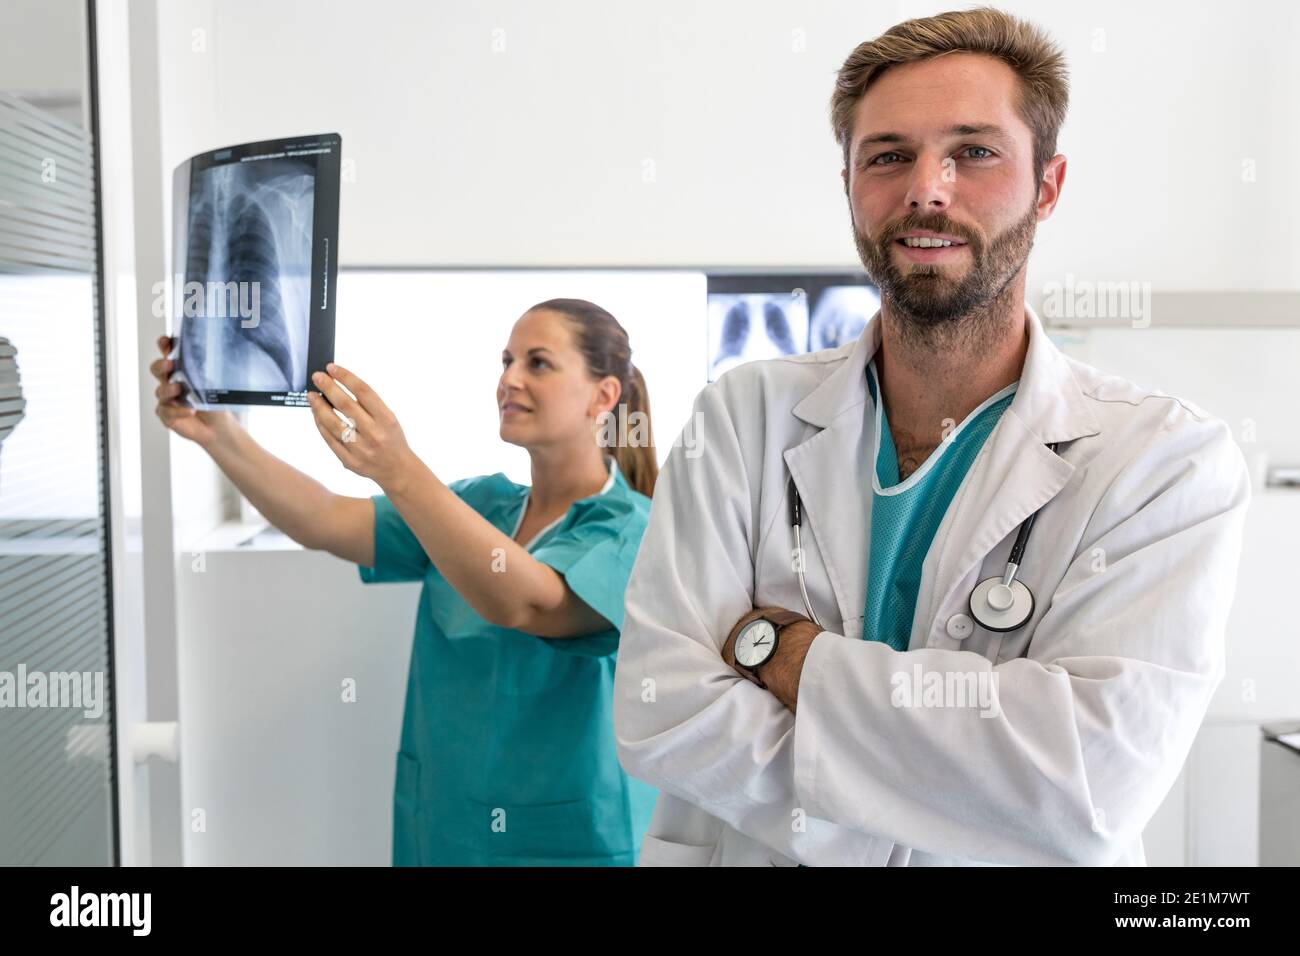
[[605, 348]]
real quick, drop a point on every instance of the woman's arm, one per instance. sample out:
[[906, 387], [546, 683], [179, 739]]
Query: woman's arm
[[494, 574], [296, 503]]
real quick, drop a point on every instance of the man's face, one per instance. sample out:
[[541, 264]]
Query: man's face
[[938, 148]]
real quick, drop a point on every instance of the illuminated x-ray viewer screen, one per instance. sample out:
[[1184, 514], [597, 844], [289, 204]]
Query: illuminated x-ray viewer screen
[[766, 316], [255, 261]]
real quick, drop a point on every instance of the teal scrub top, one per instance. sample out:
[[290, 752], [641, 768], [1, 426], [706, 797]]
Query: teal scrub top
[[507, 755], [905, 515]]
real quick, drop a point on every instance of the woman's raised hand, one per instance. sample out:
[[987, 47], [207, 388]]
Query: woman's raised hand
[[202, 428], [373, 445]]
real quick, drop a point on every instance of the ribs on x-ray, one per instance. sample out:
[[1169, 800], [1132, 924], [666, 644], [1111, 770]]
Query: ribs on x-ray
[[250, 223], [736, 330]]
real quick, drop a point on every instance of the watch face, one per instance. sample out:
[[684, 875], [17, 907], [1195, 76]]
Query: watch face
[[755, 643]]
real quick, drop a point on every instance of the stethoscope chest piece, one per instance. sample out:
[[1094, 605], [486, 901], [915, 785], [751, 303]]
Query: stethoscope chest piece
[[997, 606], [1004, 604]]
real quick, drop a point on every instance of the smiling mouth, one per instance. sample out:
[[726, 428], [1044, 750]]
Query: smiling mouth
[[926, 242], [513, 407]]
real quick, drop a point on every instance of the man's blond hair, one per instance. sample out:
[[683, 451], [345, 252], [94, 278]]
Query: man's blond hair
[[1038, 62]]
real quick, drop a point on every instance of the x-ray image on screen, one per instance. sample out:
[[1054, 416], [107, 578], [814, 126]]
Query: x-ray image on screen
[[767, 316], [754, 326], [256, 256], [840, 314]]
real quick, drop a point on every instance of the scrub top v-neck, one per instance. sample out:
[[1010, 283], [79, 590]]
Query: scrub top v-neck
[[507, 754], [906, 514], [523, 510]]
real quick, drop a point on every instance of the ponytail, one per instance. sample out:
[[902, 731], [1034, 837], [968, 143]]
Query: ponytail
[[637, 460]]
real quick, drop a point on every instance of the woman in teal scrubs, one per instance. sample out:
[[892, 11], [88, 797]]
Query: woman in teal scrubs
[[507, 755]]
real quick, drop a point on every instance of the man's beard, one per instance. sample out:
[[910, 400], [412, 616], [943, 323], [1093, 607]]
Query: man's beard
[[929, 305]]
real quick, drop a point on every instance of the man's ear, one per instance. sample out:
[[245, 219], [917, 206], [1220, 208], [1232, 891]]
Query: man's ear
[[844, 175], [1050, 186]]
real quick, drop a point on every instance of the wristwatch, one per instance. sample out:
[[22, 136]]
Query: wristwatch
[[757, 642]]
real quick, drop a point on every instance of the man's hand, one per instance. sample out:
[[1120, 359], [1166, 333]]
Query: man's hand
[[781, 671]]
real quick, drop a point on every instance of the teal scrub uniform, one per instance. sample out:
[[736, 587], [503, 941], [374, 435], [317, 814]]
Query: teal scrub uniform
[[507, 755], [906, 514]]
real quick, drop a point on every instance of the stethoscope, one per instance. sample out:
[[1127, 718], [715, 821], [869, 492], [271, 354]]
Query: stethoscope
[[999, 604]]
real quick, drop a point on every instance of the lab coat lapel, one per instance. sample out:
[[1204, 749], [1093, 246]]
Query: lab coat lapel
[[832, 470], [1014, 475]]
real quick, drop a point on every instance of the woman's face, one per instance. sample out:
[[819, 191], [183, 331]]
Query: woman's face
[[545, 395]]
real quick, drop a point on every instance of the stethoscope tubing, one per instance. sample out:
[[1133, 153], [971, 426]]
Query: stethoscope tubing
[[1014, 558]]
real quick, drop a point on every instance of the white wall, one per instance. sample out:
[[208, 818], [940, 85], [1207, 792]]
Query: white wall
[[578, 133], [517, 133]]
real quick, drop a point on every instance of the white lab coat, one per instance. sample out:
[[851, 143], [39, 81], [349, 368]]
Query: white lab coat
[[1132, 561]]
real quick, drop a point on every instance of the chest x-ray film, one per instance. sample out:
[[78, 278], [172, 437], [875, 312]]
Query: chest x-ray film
[[255, 263], [767, 316]]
